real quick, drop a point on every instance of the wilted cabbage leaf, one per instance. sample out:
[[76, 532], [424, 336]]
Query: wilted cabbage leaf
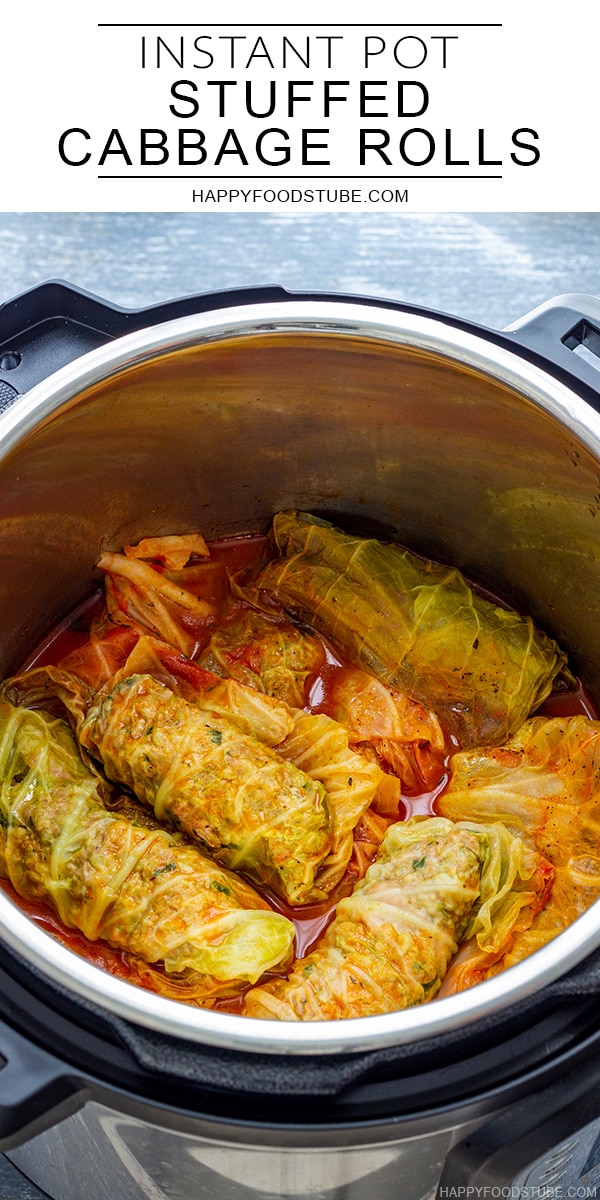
[[319, 747], [414, 624], [404, 734], [101, 655], [544, 784]]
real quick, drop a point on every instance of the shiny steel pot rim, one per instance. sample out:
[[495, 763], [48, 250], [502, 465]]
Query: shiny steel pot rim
[[177, 1019], [303, 317]]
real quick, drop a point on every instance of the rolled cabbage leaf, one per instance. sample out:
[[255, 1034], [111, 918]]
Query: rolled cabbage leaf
[[314, 743], [391, 941], [416, 625], [80, 675], [543, 785], [274, 656], [367, 838], [139, 889], [250, 808]]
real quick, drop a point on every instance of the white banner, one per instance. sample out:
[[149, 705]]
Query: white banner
[[178, 107]]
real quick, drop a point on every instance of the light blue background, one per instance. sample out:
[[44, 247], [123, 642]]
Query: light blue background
[[487, 267]]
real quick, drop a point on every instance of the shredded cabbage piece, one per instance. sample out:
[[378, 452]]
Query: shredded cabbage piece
[[173, 550], [140, 596]]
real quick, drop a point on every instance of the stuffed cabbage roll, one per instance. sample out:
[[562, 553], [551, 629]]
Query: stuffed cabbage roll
[[544, 785], [253, 712], [416, 625], [139, 889], [314, 743], [391, 941], [80, 675], [253, 811], [275, 657]]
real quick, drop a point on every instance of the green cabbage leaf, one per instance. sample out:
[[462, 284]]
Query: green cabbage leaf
[[416, 625]]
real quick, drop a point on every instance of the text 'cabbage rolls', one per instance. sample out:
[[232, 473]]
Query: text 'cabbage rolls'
[[391, 941], [139, 889], [415, 624], [255, 812]]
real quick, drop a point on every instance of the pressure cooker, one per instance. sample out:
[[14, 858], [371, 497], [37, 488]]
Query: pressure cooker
[[472, 446]]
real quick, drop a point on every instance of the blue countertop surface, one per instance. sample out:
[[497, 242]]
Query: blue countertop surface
[[490, 268], [487, 267]]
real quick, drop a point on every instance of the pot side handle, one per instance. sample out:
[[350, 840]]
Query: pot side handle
[[530, 1131], [56, 322], [36, 1089], [565, 332]]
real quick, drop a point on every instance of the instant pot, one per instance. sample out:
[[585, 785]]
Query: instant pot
[[472, 446]]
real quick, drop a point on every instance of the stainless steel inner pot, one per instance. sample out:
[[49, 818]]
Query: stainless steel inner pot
[[437, 437]]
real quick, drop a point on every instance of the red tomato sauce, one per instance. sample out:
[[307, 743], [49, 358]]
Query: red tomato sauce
[[99, 953]]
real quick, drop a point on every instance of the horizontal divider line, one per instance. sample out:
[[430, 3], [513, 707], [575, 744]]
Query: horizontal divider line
[[262, 178], [290, 25]]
